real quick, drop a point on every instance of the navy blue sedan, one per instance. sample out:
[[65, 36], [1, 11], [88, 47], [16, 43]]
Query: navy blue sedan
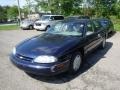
[[60, 49]]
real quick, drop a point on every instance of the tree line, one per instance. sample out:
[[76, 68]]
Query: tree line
[[93, 8], [10, 13], [7, 12], [97, 8]]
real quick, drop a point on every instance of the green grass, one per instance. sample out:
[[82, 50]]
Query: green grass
[[9, 27], [117, 27], [116, 23]]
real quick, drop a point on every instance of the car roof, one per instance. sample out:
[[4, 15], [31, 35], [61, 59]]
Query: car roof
[[52, 15], [102, 19], [76, 20], [73, 16], [79, 17]]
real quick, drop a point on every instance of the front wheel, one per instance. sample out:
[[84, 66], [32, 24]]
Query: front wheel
[[75, 63]]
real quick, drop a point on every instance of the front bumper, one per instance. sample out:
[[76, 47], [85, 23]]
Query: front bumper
[[40, 69], [42, 27]]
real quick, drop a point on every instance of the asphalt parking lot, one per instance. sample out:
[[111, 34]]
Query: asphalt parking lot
[[100, 72]]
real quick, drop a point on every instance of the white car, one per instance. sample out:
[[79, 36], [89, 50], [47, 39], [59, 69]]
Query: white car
[[46, 21], [27, 24]]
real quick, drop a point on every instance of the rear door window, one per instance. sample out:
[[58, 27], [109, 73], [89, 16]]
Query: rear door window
[[58, 17], [90, 28], [97, 25]]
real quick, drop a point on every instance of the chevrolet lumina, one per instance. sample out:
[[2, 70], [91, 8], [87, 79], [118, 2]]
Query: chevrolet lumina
[[60, 49]]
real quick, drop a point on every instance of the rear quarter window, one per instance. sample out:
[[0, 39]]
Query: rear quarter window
[[89, 28], [96, 25]]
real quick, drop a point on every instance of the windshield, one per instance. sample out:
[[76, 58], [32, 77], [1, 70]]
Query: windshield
[[68, 28], [45, 18], [27, 21]]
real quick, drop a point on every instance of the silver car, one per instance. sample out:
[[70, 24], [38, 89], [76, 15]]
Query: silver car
[[46, 21], [27, 24]]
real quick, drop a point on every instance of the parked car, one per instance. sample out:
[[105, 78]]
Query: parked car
[[27, 24], [98, 25], [78, 17], [47, 21], [108, 25], [60, 49]]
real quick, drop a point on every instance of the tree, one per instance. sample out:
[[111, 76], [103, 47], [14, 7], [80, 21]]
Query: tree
[[12, 12], [117, 8], [42, 5], [99, 8], [103, 8], [25, 10], [3, 13], [58, 6]]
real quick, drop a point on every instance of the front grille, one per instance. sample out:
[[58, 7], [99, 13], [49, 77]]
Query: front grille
[[38, 24], [24, 58]]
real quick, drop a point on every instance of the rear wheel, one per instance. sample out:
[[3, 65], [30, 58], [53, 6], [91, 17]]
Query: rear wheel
[[75, 63], [30, 27]]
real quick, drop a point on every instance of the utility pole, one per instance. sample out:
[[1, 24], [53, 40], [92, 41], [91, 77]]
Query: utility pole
[[19, 12]]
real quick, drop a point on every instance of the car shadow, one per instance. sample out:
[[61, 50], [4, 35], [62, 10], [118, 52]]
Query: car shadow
[[90, 61]]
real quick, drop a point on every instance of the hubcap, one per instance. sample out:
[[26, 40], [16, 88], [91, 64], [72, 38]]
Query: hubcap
[[77, 62]]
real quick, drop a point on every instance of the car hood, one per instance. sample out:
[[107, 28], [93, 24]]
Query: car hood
[[40, 21], [47, 44]]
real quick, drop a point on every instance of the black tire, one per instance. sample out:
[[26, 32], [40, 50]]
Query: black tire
[[72, 69], [103, 44], [30, 27], [37, 30]]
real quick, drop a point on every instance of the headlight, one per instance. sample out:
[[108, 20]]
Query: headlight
[[14, 51], [45, 59]]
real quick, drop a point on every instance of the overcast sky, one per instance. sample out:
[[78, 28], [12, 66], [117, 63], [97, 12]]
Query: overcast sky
[[12, 2]]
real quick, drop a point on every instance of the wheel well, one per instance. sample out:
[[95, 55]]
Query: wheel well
[[30, 25], [81, 50], [48, 25]]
